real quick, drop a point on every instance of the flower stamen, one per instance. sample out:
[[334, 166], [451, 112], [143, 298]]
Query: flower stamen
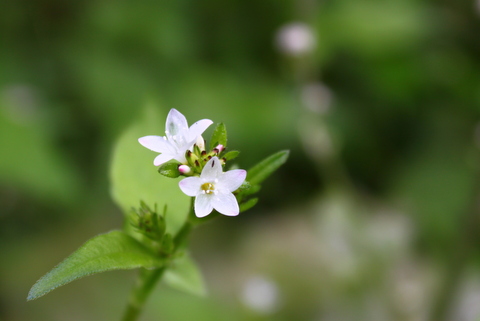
[[208, 188]]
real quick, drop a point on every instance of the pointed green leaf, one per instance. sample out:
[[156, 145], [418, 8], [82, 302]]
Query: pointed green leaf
[[134, 177], [184, 275], [244, 191], [231, 155], [111, 251], [251, 190], [248, 204], [219, 136], [266, 167]]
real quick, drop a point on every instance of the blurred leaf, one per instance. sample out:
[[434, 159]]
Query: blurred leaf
[[184, 275], [134, 178], [30, 159], [437, 184], [248, 204], [376, 28], [266, 167], [112, 251], [219, 136]]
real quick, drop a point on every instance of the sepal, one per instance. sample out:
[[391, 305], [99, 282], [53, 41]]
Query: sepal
[[219, 136], [170, 169], [231, 155]]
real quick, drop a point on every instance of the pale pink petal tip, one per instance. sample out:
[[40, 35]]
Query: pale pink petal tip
[[190, 185], [184, 169]]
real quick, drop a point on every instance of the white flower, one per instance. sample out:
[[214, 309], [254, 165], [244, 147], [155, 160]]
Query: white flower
[[179, 138], [296, 39], [213, 189]]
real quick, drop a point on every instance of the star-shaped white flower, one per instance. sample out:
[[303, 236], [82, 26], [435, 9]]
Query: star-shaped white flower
[[179, 138], [213, 189]]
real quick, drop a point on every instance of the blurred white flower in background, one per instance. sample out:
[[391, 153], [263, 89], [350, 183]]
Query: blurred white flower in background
[[316, 97], [389, 232], [316, 139], [413, 287], [295, 39], [467, 301], [336, 238], [260, 294]]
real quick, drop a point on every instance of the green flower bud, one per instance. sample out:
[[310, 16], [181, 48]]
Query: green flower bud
[[148, 222]]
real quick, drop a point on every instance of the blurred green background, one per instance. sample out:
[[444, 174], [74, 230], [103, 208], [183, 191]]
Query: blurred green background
[[374, 217]]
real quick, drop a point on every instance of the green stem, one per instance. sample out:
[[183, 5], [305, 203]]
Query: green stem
[[182, 235], [148, 278], [145, 283]]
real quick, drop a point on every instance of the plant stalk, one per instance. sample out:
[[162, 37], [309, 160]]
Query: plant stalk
[[148, 278], [145, 283]]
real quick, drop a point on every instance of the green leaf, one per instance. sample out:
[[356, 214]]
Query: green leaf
[[248, 204], [170, 169], [244, 187], [231, 155], [244, 191], [185, 276], [134, 177], [251, 190], [219, 136], [111, 251], [266, 167]]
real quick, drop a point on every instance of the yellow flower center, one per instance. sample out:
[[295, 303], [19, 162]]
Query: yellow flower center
[[208, 188]]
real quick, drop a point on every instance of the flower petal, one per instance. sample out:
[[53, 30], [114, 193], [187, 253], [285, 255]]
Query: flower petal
[[203, 205], [198, 128], [212, 169], [190, 185], [200, 142], [226, 204], [176, 124], [232, 180], [162, 158], [156, 143], [180, 157]]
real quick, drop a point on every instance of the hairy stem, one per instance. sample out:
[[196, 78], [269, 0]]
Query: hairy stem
[[148, 278], [145, 283]]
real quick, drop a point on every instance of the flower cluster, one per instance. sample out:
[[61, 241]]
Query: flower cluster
[[211, 187], [178, 139]]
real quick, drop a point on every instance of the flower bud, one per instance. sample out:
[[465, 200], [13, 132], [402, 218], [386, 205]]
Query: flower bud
[[184, 169], [191, 158], [148, 222]]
